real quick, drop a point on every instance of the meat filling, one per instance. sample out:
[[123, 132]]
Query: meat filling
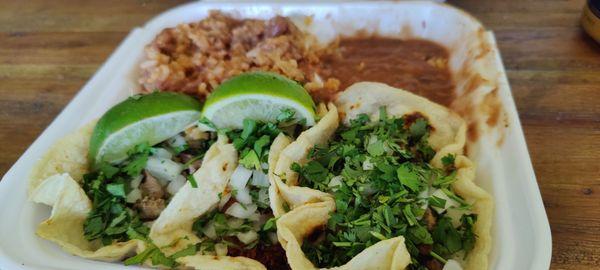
[[152, 202]]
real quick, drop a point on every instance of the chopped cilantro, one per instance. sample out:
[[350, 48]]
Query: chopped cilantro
[[188, 251], [285, 115], [408, 177], [207, 123], [250, 160], [117, 190], [448, 160], [192, 181]]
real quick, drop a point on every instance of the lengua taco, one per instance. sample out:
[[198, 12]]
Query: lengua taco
[[155, 186], [390, 188]]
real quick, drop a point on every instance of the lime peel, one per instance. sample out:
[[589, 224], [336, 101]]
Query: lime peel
[[150, 118]]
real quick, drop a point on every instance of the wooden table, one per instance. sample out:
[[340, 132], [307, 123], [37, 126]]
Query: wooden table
[[49, 49]]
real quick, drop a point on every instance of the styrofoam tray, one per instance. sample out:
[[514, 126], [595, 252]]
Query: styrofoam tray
[[521, 233]]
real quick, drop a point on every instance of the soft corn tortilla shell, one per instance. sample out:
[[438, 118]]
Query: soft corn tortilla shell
[[67, 155], [284, 153], [447, 137]]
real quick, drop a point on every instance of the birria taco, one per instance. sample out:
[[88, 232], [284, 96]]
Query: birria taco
[[389, 188]]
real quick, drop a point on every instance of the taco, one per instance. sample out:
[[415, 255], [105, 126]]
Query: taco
[[103, 209], [225, 215], [390, 188]]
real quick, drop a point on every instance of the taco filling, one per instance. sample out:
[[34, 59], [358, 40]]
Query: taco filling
[[243, 223], [127, 196], [384, 186]]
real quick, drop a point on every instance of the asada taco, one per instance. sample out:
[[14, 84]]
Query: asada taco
[[390, 188]]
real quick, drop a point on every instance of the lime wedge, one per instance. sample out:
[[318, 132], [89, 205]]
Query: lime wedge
[[150, 118], [259, 96]]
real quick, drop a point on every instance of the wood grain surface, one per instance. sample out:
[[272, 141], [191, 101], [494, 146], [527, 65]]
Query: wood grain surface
[[49, 49]]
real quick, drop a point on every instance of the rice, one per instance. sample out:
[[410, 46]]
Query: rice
[[195, 58]]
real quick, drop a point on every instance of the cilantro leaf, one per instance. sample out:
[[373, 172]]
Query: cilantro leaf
[[419, 128], [375, 148], [250, 160], [116, 189], [448, 160], [408, 178], [188, 251]]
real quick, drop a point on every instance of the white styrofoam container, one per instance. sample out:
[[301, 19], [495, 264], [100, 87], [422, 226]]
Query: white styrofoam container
[[521, 233]]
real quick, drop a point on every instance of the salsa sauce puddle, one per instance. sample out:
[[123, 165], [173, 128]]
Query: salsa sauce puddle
[[419, 66]]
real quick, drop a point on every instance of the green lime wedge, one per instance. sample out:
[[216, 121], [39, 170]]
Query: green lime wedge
[[150, 118], [259, 96]]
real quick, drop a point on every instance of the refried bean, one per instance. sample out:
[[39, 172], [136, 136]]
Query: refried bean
[[418, 66]]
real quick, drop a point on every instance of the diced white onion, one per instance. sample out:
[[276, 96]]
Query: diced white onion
[[424, 194], [176, 184], [135, 182], [367, 165], [235, 222], [164, 170], [424, 200], [224, 199], [254, 217], [452, 265], [247, 237], [243, 195], [203, 128], [455, 214], [160, 152], [209, 230], [221, 249], [177, 141], [240, 177], [259, 179], [263, 196], [239, 211], [134, 195], [264, 165], [335, 182], [449, 202]]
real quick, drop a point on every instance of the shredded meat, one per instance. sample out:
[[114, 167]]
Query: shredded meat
[[150, 187], [434, 264], [273, 256], [430, 219], [152, 203], [425, 249], [150, 208]]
